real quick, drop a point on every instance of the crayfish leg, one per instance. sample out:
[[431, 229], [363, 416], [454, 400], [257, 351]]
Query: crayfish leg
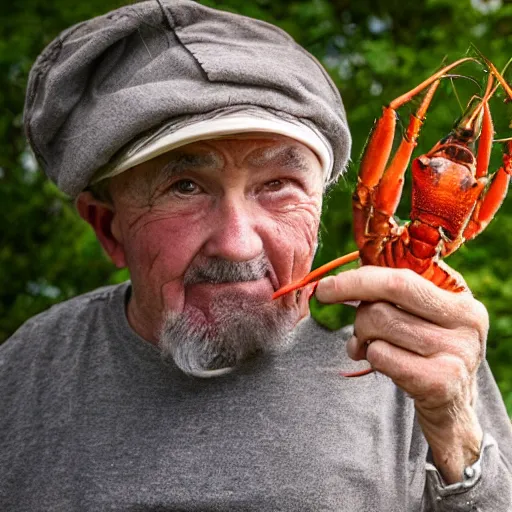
[[379, 145], [359, 373], [489, 203], [390, 186], [483, 155], [378, 193]]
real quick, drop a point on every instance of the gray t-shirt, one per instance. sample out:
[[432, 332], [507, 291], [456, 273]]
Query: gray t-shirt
[[92, 419]]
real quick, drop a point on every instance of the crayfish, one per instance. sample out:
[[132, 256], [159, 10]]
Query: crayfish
[[453, 198]]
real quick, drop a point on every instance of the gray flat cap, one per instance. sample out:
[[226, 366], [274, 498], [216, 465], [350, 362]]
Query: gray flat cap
[[105, 82]]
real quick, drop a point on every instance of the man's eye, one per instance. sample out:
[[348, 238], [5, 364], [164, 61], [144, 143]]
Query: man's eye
[[186, 187], [274, 185]]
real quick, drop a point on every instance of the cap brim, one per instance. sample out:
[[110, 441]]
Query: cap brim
[[230, 124]]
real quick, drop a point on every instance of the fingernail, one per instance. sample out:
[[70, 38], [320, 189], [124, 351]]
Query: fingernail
[[326, 282]]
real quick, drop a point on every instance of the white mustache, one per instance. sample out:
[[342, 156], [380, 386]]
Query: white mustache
[[218, 270]]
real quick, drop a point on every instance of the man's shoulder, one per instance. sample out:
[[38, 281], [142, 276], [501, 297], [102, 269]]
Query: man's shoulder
[[64, 312], [66, 316]]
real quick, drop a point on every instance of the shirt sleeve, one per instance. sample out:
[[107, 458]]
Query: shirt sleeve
[[486, 486]]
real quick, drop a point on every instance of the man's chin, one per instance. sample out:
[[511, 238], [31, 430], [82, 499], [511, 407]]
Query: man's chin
[[210, 341]]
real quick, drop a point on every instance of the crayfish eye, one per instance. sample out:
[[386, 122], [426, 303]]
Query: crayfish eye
[[465, 134]]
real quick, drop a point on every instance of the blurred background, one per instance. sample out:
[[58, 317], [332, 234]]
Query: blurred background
[[374, 50]]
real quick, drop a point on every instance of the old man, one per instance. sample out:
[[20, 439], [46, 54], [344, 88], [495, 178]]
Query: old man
[[198, 145]]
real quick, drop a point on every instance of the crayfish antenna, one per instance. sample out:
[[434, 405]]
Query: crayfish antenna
[[316, 274], [499, 76], [469, 126], [401, 100]]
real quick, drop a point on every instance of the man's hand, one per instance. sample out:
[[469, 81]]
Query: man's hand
[[430, 342]]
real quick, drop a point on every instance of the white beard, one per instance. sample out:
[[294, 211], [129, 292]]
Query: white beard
[[240, 330]]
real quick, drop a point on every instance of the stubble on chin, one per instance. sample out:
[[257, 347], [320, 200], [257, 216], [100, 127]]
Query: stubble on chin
[[240, 329]]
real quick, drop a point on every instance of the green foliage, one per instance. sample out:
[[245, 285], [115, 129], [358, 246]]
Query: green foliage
[[374, 50]]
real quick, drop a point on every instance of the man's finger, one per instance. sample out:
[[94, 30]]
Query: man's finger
[[434, 380], [382, 320], [401, 287]]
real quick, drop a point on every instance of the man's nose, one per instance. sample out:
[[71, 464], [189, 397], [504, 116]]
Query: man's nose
[[235, 231]]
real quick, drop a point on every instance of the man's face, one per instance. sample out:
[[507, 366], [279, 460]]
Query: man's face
[[208, 232]]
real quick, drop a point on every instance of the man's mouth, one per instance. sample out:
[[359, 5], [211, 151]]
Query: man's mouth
[[207, 293]]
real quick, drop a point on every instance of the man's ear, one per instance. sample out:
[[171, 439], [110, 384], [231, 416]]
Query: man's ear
[[102, 217]]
